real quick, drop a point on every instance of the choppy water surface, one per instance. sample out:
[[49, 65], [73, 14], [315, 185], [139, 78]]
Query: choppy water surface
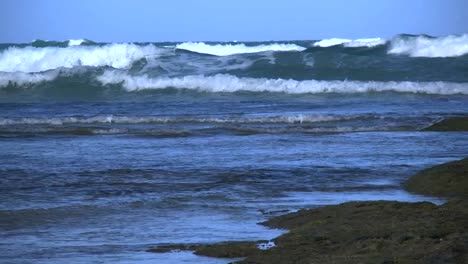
[[109, 149]]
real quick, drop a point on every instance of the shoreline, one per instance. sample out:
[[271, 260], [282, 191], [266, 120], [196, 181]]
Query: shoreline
[[365, 232], [368, 231]]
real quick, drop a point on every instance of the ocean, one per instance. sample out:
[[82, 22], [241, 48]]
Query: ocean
[[108, 149]]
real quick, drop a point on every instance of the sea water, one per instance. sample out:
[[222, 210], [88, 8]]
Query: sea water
[[108, 149]]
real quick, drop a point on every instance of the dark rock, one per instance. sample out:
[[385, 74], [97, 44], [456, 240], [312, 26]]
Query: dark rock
[[368, 232], [371, 232], [173, 247], [228, 249], [450, 124], [449, 179]]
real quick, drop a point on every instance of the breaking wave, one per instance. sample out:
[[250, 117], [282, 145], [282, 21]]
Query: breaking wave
[[39, 43], [229, 83], [368, 42], [75, 42], [425, 46], [24, 79], [229, 49], [32, 59], [327, 66]]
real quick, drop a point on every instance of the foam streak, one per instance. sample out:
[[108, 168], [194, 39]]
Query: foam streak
[[229, 83]]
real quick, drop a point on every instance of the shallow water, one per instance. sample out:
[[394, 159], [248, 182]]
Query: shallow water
[[95, 172]]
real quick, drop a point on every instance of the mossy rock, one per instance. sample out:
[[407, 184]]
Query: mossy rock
[[228, 249], [233, 249], [449, 179], [360, 232], [450, 124], [368, 232], [371, 232]]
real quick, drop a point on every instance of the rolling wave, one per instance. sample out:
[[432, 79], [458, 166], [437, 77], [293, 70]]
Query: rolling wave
[[299, 67], [219, 83], [31, 59], [76, 42], [425, 46], [39, 43], [111, 119], [25, 79], [229, 83], [40, 56], [175, 133], [230, 49], [185, 126], [368, 42]]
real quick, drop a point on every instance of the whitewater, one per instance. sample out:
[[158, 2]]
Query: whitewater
[[109, 149], [405, 63]]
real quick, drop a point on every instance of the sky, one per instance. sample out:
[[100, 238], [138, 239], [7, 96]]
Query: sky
[[224, 20]]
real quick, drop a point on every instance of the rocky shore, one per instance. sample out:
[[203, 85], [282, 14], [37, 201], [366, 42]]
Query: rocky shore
[[449, 180], [369, 232], [450, 124]]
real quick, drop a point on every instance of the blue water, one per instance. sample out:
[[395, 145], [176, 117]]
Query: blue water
[[103, 161]]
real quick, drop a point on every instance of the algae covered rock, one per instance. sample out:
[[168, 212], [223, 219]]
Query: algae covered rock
[[371, 232], [359, 232], [233, 249], [449, 179], [368, 232]]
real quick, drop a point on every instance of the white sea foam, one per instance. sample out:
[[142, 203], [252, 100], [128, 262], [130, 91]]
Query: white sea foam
[[31, 59], [229, 49], [229, 83], [326, 198], [331, 42], [110, 119], [368, 42], [266, 246], [22, 78], [422, 46], [75, 42]]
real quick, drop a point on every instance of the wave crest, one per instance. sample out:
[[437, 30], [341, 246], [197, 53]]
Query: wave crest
[[32, 59], [22, 78], [75, 42], [230, 49], [111, 119], [229, 83], [368, 42], [424, 46]]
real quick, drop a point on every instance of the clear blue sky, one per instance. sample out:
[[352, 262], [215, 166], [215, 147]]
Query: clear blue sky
[[178, 20]]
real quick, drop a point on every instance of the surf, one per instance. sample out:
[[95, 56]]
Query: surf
[[230, 49], [32, 59], [431, 47], [223, 83]]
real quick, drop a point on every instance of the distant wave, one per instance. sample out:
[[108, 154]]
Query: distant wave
[[111, 119], [424, 46], [369, 42], [237, 130], [184, 126], [32, 59], [39, 43], [326, 66], [229, 49], [229, 83], [75, 42]]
